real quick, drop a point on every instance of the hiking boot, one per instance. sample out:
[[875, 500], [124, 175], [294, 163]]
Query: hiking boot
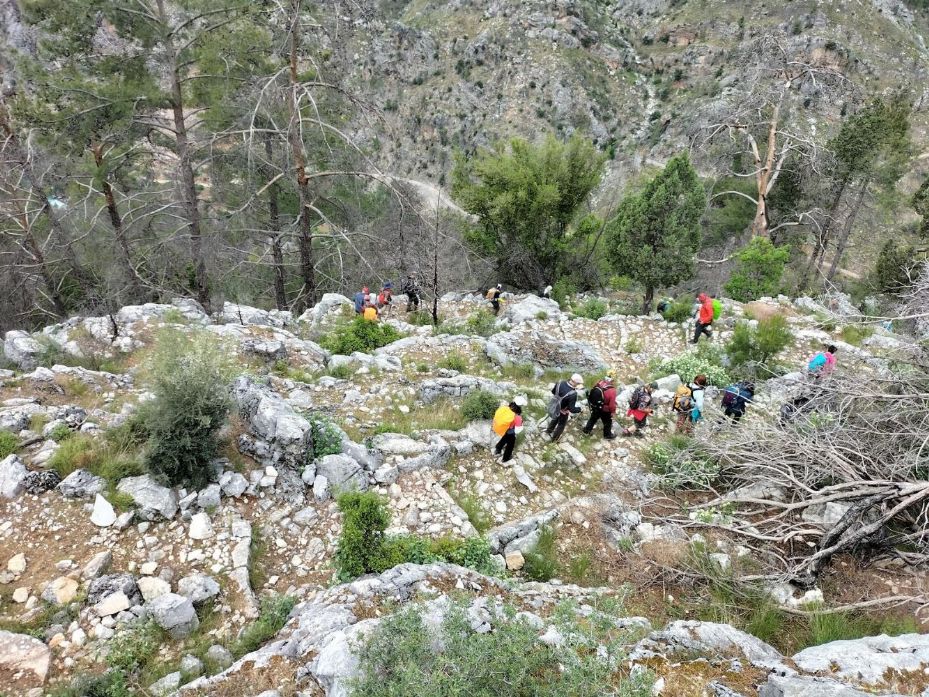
[[611, 436]]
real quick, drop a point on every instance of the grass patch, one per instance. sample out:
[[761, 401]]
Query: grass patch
[[471, 505], [283, 369], [454, 361], [480, 323], [9, 442], [258, 548], [634, 345], [341, 372], [592, 308], [855, 334], [680, 464], [112, 458], [442, 415], [542, 560], [275, 610]]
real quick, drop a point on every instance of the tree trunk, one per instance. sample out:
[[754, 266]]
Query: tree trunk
[[274, 224], [185, 166], [435, 269], [767, 170], [116, 220], [648, 299], [307, 294], [847, 229], [50, 286], [822, 241]]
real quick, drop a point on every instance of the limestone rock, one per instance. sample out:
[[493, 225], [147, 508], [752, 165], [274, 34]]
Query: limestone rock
[[529, 308], [26, 656], [175, 614], [867, 660], [104, 586], [284, 437], [199, 588], [153, 500], [200, 527], [20, 348], [37, 483], [232, 484], [103, 515], [515, 560], [61, 591], [112, 604], [81, 484], [97, 566], [12, 474], [153, 587], [342, 473]]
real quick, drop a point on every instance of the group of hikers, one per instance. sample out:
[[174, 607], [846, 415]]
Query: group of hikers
[[688, 403], [371, 305]]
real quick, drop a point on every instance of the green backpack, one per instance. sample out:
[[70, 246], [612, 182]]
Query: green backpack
[[717, 309]]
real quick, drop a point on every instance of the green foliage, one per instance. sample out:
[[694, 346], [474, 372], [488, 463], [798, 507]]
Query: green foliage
[[275, 609], [727, 216], [757, 345], [342, 372], [109, 459], [454, 361], [479, 405], [874, 141], [361, 543], [894, 268], [525, 198], [758, 270], [680, 464], [359, 335], [855, 334], [634, 345], [400, 658], [592, 308], [189, 378], [471, 505], [8, 443], [680, 310], [480, 323], [920, 204], [365, 548], [327, 438], [706, 359], [655, 233], [60, 433], [562, 290], [542, 560]]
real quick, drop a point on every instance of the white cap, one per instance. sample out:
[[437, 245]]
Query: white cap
[[520, 401], [577, 379]]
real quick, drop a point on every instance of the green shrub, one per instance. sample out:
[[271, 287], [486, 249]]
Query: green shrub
[[633, 345], [480, 323], [759, 344], [359, 335], [471, 505], [542, 560], [189, 377], [60, 433], [592, 308], [275, 609], [479, 405], [361, 543], [400, 658], [342, 372], [327, 438], [680, 310], [562, 290], [454, 361], [706, 359], [758, 270], [680, 464], [9, 442], [420, 318], [855, 334]]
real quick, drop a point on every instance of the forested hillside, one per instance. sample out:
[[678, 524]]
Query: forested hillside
[[268, 152]]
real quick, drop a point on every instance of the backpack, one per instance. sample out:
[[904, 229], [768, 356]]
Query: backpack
[[596, 398], [503, 418], [554, 407], [731, 395], [683, 398], [491, 292], [717, 309], [635, 398]]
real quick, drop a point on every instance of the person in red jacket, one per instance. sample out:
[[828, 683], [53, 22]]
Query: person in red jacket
[[704, 318], [602, 402]]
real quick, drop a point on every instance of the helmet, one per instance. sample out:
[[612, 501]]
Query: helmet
[[499, 286]]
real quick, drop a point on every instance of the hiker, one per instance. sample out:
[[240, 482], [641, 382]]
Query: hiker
[[688, 403], [602, 402], [507, 423], [386, 296], [822, 364], [704, 318], [562, 405], [547, 292], [736, 399], [361, 297], [411, 288], [640, 408], [493, 295], [663, 306]]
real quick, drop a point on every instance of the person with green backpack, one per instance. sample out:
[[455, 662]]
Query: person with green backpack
[[705, 316]]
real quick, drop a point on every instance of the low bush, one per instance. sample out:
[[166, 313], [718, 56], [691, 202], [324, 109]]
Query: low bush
[[680, 310], [189, 377], [9, 442], [419, 318], [342, 372], [759, 344], [633, 345], [758, 270], [480, 323], [562, 290], [275, 609], [706, 359], [359, 335], [542, 560], [327, 439], [364, 547], [60, 433], [855, 334], [479, 405], [400, 657], [454, 361], [680, 465], [592, 308]]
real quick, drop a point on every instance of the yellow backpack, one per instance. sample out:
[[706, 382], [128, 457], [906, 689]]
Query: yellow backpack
[[503, 417], [370, 314]]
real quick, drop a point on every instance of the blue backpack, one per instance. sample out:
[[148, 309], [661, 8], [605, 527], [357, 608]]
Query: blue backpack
[[731, 395]]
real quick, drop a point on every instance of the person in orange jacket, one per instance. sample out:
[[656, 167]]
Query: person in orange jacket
[[704, 318]]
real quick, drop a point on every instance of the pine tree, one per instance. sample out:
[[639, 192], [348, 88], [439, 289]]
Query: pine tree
[[655, 233]]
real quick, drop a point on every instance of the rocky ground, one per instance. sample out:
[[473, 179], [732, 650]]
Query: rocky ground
[[82, 559]]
